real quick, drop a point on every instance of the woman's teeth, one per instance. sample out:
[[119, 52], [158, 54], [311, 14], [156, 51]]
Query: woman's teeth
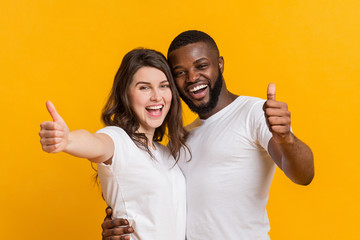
[[154, 107]]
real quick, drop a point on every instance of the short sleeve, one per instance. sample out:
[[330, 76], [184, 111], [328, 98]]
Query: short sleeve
[[120, 140], [259, 128]]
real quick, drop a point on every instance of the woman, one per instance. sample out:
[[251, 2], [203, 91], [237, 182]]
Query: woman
[[138, 176]]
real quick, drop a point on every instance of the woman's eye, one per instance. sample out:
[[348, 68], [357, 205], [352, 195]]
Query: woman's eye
[[143, 87], [165, 85]]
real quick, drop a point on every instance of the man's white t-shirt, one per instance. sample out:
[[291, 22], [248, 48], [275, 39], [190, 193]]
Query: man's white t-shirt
[[228, 179], [150, 193]]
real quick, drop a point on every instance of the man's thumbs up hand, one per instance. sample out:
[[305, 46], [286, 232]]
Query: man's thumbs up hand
[[277, 117], [271, 91]]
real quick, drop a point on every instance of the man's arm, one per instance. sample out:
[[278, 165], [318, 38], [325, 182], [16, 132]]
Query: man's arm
[[293, 156], [115, 229]]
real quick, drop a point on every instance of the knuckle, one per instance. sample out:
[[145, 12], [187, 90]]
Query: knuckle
[[113, 222], [104, 234], [124, 221], [268, 111]]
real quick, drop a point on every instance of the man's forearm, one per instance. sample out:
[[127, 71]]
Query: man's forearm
[[296, 160]]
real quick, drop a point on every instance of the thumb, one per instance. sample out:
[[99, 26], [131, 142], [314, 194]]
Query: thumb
[[51, 109], [271, 91]]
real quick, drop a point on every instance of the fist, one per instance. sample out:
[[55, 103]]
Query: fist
[[277, 117], [53, 134]]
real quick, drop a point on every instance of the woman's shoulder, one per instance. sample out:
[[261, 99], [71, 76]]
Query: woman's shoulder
[[115, 132]]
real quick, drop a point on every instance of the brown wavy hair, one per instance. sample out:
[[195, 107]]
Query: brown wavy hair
[[118, 110]]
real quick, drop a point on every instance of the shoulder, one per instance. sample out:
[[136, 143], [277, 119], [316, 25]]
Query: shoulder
[[116, 133], [196, 123], [245, 106], [250, 102], [111, 129]]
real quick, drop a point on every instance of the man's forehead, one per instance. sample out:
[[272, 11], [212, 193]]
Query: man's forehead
[[193, 51]]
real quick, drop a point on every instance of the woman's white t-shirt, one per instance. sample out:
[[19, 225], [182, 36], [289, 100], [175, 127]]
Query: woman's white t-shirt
[[150, 193]]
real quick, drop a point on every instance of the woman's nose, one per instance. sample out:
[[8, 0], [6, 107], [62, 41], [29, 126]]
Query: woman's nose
[[155, 95]]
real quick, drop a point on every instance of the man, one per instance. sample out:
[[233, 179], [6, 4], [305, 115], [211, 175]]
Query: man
[[235, 144]]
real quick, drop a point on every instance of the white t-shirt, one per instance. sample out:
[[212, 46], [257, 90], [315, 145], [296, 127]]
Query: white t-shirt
[[228, 179], [150, 193]]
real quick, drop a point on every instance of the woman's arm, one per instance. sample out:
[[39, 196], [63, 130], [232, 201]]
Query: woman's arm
[[56, 137]]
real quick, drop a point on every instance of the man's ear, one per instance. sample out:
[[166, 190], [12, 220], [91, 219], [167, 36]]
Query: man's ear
[[221, 64]]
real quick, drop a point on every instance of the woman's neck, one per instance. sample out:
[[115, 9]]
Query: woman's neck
[[149, 135]]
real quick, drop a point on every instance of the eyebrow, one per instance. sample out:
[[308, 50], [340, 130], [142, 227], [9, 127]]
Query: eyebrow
[[200, 59], [149, 82], [196, 61]]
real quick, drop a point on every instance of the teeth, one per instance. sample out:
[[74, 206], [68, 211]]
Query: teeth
[[155, 107], [198, 88]]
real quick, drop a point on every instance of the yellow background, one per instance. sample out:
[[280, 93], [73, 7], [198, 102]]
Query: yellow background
[[69, 51]]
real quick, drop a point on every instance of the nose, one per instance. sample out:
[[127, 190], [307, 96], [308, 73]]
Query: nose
[[193, 76], [155, 95]]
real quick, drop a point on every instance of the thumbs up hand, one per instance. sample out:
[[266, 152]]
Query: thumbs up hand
[[53, 134], [277, 117]]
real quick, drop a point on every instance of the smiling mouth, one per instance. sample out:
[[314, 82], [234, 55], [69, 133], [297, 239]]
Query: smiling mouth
[[198, 89], [155, 110], [198, 92]]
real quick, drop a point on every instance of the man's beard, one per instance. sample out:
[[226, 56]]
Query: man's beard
[[214, 97]]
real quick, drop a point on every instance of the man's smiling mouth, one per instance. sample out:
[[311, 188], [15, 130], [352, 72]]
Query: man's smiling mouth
[[198, 88]]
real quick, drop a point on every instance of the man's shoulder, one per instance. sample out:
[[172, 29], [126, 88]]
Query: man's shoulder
[[251, 100], [246, 104], [196, 123]]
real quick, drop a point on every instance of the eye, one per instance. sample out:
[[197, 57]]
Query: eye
[[165, 85], [202, 66], [143, 87], [179, 73]]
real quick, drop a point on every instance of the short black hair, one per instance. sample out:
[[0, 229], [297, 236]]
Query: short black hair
[[192, 36]]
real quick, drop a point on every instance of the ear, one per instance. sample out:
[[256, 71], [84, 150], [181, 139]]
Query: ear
[[221, 64]]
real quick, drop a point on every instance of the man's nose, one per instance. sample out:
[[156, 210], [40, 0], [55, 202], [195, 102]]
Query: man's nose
[[193, 76]]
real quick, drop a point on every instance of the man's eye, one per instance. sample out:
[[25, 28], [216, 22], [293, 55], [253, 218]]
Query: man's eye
[[202, 66], [178, 74]]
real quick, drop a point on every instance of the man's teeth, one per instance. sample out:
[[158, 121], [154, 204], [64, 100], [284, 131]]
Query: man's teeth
[[198, 88], [154, 107]]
